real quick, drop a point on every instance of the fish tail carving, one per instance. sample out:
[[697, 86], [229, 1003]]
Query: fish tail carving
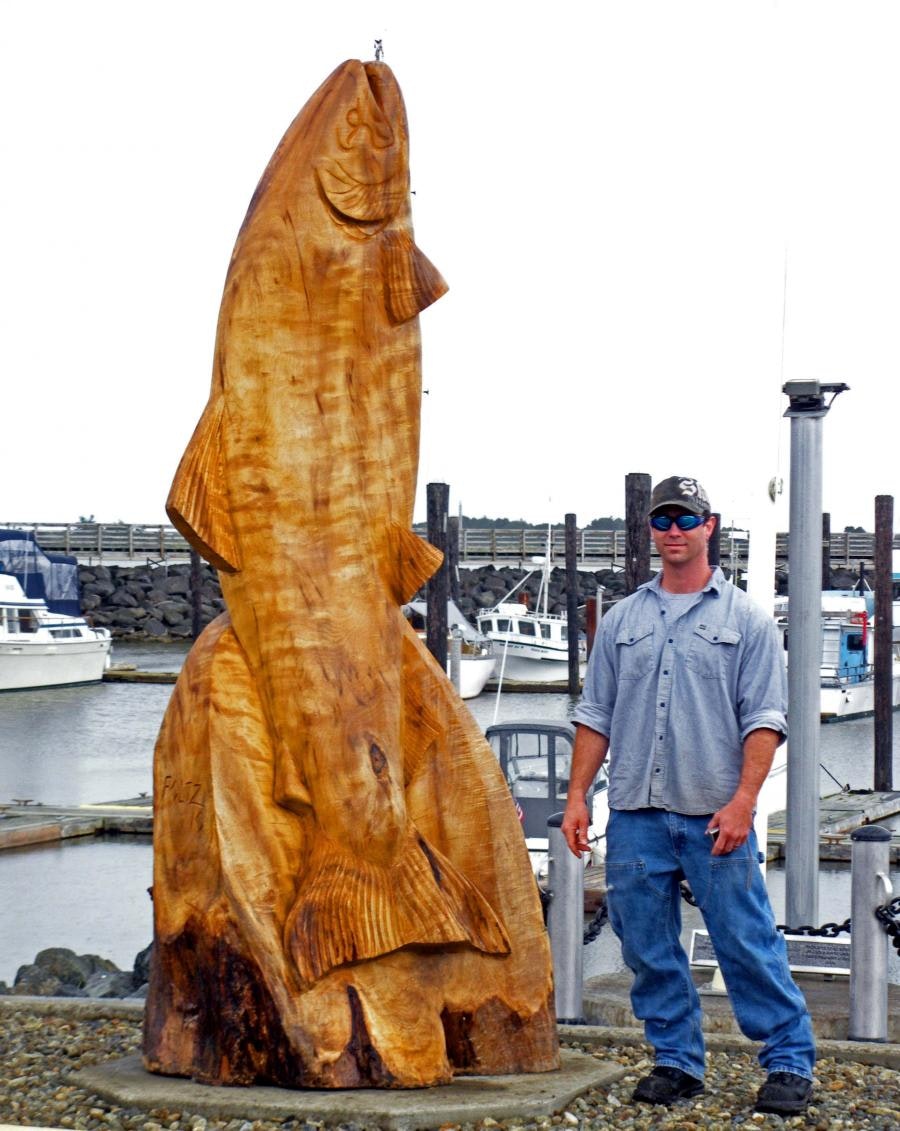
[[349, 909]]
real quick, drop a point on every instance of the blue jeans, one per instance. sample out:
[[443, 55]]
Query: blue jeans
[[648, 852]]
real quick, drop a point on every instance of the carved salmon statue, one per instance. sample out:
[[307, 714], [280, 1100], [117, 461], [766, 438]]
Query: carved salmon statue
[[312, 704]]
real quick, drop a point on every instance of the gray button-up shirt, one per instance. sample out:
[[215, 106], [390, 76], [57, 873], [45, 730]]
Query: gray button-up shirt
[[677, 700]]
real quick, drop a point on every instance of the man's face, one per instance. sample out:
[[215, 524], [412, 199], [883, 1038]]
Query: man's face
[[681, 547]]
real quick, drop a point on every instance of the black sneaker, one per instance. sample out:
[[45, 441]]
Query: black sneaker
[[784, 1093], [665, 1085]]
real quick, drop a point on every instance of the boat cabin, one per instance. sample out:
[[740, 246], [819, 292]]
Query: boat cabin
[[515, 620], [536, 759]]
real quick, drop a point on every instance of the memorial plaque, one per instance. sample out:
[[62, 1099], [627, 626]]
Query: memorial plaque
[[806, 955]]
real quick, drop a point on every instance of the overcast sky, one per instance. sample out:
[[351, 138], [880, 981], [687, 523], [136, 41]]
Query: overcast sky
[[628, 201]]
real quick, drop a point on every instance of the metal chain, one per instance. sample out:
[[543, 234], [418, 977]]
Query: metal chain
[[686, 894], [826, 931], [593, 929], [889, 917]]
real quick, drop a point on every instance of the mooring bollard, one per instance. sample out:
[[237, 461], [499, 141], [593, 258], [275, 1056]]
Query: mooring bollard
[[456, 639], [565, 922], [870, 887]]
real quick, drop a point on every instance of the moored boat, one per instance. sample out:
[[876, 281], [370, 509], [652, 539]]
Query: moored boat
[[532, 645], [44, 640], [477, 660], [847, 684], [535, 756]]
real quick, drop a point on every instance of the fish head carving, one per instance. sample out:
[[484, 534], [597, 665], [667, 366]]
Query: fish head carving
[[363, 175]]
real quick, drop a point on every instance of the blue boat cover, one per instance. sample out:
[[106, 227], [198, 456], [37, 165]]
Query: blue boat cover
[[50, 577]]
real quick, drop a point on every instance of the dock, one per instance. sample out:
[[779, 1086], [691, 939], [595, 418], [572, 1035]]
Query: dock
[[839, 814], [24, 823], [126, 674]]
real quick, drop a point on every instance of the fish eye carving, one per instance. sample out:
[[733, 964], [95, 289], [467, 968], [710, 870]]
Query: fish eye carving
[[365, 127]]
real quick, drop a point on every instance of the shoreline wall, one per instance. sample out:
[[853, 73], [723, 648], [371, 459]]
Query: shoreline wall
[[154, 603]]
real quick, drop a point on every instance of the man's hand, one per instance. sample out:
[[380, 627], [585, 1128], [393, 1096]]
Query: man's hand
[[733, 822], [575, 826], [587, 757]]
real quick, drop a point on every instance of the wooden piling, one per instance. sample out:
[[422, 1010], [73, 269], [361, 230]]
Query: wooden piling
[[453, 556], [637, 532], [884, 631], [826, 550], [714, 546], [196, 595], [438, 588], [572, 602], [592, 612]]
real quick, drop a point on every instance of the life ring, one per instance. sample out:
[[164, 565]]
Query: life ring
[[861, 619]]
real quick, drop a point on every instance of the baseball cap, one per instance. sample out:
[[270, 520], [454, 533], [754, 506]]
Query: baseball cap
[[680, 491]]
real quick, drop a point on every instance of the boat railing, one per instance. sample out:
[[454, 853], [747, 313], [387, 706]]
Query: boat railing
[[514, 608], [836, 676]]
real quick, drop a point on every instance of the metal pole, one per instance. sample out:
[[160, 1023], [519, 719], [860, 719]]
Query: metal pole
[[455, 655], [870, 887], [806, 412], [565, 922]]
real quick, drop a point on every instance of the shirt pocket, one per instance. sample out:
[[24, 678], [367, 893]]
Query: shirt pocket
[[634, 651], [712, 650]]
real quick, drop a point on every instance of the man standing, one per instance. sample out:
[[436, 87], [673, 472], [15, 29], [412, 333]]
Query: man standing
[[686, 689]]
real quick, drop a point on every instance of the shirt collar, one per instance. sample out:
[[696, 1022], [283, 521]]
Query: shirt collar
[[714, 585]]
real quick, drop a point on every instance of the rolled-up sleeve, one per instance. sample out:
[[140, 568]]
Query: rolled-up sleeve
[[762, 680], [595, 709]]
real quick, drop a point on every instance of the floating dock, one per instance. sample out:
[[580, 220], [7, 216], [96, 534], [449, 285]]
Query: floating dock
[[839, 814], [24, 822], [133, 675]]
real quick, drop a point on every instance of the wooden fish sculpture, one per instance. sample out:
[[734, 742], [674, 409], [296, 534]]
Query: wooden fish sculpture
[[342, 894]]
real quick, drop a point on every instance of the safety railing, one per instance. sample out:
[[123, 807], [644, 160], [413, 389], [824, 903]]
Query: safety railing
[[606, 548]]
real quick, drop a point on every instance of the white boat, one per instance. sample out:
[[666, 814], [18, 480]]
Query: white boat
[[39, 648], [847, 689], [532, 645], [535, 756], [477, 660], [44, 639]]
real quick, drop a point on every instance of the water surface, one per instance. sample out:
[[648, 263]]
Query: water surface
[[72, 746]]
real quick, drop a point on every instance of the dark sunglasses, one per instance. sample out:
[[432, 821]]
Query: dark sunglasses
[[683, 522]]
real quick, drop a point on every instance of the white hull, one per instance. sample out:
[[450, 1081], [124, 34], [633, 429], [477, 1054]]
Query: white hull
[[26, 664], [523, 668], [474, 672], [39, 648], [854, 700]]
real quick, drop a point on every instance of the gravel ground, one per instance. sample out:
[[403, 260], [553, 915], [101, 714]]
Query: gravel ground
[[37, 1053]]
